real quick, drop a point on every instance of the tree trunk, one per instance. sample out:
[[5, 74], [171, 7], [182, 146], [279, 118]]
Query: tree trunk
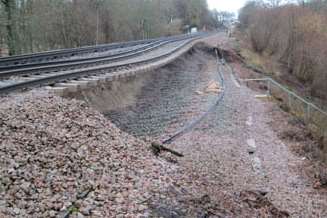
[[9, 6]]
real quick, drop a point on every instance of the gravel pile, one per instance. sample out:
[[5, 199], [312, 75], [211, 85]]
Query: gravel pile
[[58, 157]]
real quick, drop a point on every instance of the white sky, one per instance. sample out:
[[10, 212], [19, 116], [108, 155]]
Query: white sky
[[226, 5]]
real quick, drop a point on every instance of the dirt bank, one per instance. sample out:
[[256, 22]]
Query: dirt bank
[[171, 96]]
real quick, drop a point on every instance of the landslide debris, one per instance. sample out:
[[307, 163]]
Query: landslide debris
[[60, 158]]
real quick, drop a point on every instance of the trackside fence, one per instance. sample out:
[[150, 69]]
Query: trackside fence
[[313, 116]]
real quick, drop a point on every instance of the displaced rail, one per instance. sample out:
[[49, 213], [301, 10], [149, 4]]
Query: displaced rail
[[89, 67]]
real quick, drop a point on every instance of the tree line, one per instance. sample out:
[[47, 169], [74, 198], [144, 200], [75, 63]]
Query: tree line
[[37, 25], [294, 34]]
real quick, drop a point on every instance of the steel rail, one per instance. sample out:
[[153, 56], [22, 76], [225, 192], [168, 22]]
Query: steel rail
[[61, 61], [100, 60], [75, 74], [28, 68], [56, 54], [62, 53], [28, 65]]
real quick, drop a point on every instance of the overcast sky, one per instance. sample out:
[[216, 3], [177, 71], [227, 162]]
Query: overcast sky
[[226, 5]]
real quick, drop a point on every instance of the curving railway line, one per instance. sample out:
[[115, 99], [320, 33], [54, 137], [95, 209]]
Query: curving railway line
[[48, 68], [54, 55]]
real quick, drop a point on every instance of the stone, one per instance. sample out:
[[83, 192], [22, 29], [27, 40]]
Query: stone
[[79, 215], [25, 186], [86, 211], [52, 213], [16, 211], [256, 164]]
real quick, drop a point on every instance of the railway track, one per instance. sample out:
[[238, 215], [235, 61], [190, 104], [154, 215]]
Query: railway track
[[55, 55], [65, 70], [38, 68], [79, 58]]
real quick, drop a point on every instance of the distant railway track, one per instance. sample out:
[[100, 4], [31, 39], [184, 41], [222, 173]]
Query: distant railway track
[[81, 57], [59, 72], [52, 56]]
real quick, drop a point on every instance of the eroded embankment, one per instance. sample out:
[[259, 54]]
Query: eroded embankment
[[172, 96], [62, 158], [158, 102]]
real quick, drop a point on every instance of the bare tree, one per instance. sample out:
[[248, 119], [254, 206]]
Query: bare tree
[[9, 7], [293, 34], [38, 25]]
